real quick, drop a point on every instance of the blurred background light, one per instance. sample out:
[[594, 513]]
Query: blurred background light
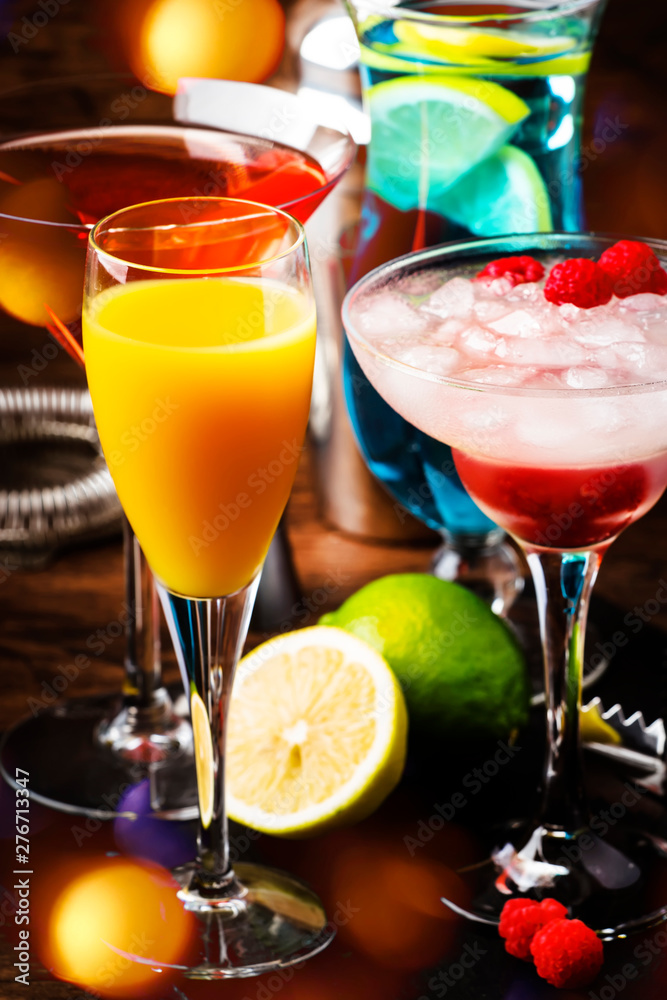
[[225, 39], [116, 907]]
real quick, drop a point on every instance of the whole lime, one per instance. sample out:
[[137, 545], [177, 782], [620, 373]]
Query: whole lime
[[461, 669]]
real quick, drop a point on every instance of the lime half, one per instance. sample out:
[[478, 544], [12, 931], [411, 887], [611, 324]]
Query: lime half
[[504, 194], [461, 669], [428, 131]]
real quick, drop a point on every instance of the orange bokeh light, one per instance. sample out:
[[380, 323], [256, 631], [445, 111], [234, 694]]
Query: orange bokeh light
[[115, 909], [399, 920], [223, 39]]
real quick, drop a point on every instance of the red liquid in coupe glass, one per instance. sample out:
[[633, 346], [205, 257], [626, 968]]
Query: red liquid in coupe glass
[[569, 508], [75, 178]]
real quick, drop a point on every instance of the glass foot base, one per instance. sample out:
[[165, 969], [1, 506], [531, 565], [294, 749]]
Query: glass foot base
[[259, 920], [83, 776], [147, 735], [616, 884], [488, 565]]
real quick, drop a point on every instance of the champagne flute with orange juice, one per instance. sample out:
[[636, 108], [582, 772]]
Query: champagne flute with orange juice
[[199, 327], [214, 138]]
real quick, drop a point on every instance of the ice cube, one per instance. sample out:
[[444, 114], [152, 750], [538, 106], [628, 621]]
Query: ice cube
[[526, 292], [433, 359], [502, 375], [477, 340], [486, 415], [519, 323], [421, 283], [585, 378], [387, 314], [547, 352], [490, 309], [644, 302], [448, 331], [500, 286], [569, 312], [455, 298], [602, 415], [654, 328], [643, 361], [603, 330], [547, 427]]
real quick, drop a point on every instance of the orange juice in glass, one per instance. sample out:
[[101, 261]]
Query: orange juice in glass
[[216, 375]]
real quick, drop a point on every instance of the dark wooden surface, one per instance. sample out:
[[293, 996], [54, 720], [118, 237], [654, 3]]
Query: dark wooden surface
[[47, 616]]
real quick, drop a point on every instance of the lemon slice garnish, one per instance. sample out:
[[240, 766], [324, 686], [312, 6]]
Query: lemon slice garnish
[[203, 758], [428, 131]]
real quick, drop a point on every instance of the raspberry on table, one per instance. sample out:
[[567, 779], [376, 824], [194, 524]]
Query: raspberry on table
[[633, 268], [519, 270], [579, 281], [567, 953], [521, 919]]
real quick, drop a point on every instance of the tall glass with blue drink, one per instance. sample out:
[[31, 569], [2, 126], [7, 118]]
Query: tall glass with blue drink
[[475, 131]]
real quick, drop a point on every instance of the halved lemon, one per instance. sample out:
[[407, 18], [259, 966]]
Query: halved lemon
[[317, 733], [428, 131]]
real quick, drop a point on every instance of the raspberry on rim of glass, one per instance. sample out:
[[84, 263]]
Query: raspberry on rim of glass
[[633, 268], [518, 270], [627, 268]]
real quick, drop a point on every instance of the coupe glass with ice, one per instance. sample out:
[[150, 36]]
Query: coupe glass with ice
[[557, 417]]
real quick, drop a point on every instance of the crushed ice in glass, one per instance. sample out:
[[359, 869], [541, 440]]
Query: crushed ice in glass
[[492, 333]]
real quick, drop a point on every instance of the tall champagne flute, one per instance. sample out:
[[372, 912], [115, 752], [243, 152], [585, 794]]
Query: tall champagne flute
[[559, 432], [217, 136], [205, 305]]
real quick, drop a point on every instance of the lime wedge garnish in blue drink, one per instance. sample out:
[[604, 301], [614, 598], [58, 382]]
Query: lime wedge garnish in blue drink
[[428, 131], [503, 194]]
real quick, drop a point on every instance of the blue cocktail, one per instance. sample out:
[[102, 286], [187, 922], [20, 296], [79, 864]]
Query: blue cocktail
[[476, 119]]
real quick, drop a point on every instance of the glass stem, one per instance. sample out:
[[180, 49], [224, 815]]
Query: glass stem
[[563, 583], [208, 637], [143, 673]]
